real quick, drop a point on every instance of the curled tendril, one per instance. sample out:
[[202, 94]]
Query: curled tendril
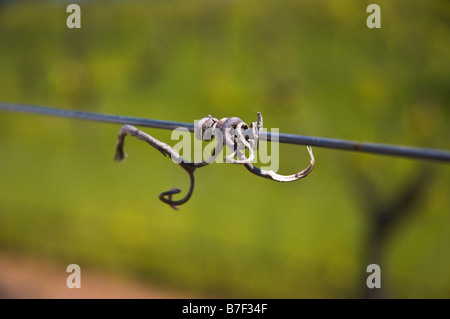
[[231, 132], [165, 149]]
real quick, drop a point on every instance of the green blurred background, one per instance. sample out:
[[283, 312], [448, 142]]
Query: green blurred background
[[310, 67]]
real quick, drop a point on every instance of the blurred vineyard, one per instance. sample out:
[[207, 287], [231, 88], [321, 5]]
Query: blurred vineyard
[[310, 67]]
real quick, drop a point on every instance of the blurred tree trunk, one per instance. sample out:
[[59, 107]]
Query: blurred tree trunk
[[383, 217]]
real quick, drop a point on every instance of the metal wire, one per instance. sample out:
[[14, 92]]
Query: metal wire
[[374, 148]]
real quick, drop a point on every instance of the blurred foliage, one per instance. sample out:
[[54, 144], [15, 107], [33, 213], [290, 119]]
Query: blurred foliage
[[310, 67]]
